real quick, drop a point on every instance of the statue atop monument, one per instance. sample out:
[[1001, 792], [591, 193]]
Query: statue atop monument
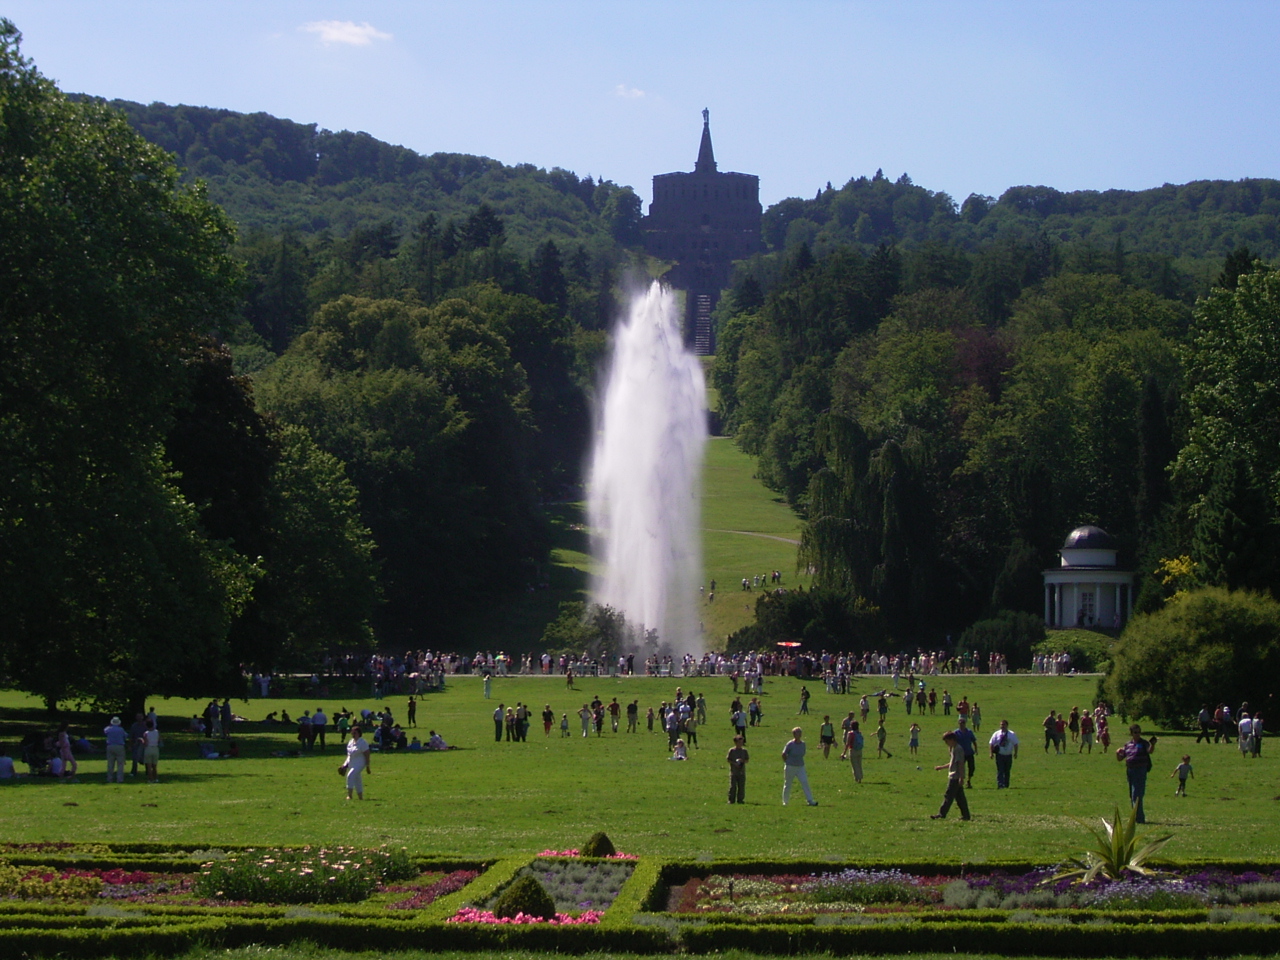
[[703, 221]]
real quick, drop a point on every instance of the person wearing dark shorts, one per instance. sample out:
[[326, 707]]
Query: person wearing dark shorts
[[826, 736]]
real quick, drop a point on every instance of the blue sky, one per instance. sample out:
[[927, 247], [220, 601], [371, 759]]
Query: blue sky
[[964, 97]]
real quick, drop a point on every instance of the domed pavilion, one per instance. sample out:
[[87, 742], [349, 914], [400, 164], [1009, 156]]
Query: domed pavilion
[[1088, 589]]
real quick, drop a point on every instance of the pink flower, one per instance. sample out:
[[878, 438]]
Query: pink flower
[[472, 915]]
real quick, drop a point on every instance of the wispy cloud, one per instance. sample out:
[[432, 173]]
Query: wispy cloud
[[345, 31], [628, 93]]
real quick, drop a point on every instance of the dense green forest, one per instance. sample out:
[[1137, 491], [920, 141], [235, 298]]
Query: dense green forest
[[275, 176], [1175, 236], [944, 417], [305, 390]]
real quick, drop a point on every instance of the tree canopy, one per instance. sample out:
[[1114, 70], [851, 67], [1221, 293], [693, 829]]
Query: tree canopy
[[144, 501], [1205, 646], [108, 587]]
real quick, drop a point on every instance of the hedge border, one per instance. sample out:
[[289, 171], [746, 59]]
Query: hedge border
[[28, 928], [638, 895], [1043, 940], [478, 890]]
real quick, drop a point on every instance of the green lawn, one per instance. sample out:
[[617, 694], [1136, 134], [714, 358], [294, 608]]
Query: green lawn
[[747, 530], [490, 799]]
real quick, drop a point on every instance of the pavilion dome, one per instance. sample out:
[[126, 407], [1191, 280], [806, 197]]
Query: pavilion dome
[[1089, 537]]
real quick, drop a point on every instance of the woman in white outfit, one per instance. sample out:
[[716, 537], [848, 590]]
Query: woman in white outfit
[[357, 763]]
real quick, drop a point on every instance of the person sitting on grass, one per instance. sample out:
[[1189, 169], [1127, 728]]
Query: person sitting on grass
[[679, 752], [437, 742]]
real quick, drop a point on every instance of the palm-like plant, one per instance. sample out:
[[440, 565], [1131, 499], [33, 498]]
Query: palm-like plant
[[1116, 852]]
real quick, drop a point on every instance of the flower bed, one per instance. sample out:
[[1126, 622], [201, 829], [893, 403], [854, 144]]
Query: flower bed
[[887, 891], [619, 855], [650, 906], [472, 915], [319, 875], [424, 896]]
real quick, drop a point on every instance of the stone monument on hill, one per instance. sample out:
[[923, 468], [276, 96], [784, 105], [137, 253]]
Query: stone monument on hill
[[702, 221]]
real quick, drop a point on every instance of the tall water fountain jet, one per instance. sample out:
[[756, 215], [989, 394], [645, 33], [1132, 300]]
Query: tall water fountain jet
[[645, 485]]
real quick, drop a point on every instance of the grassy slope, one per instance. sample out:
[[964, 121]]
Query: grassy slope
[[496, 798], [732, 500]]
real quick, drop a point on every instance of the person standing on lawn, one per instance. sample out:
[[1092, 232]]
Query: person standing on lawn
[[853, 744], [116, 736], [319, 723], [955, 779], [881, 735], [793, 767], [737, 758], [1136, 756], [968, 740], [1004, 748], [150, 746], [827, 736], [358, 755], [137, 729]]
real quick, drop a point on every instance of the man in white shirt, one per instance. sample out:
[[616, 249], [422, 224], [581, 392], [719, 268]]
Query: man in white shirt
[[1004, 747], [318, 722]]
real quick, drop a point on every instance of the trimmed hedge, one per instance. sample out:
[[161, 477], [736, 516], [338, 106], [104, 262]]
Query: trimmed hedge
[[1041, 940], [478, 891], [644, 891], [924, 915], [636, 922], [222, 933]]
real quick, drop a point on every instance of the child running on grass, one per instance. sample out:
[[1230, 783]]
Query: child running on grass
[[881, 733], [1182, 771]]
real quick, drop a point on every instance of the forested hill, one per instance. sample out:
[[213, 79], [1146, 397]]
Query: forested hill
[[1195, 222], [273, 175]]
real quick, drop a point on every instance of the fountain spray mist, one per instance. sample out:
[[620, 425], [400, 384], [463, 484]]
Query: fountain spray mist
[[645, 486]]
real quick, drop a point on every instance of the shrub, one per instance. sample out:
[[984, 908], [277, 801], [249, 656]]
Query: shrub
[[525, 895], [1009, 632], [1116, 853], [1090, 651], [599, 845], [1205, 646]]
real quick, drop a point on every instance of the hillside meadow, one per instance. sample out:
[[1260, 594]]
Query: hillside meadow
[[489, 799]]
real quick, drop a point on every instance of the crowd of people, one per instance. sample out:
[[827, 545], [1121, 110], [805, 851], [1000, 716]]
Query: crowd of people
[[418, 672], [1244, 729], [684, 717]]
